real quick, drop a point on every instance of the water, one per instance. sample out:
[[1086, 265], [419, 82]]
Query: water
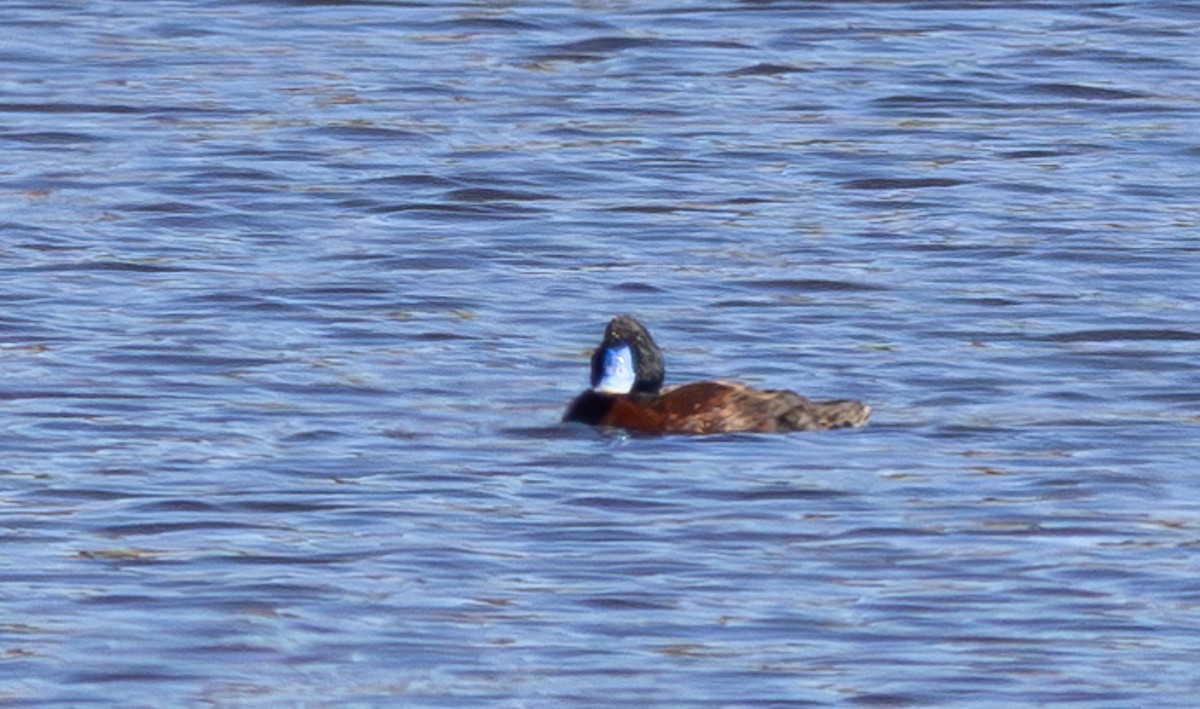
[[296, 293]]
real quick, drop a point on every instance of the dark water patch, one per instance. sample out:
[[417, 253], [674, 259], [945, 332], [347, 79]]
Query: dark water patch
[[570, 534], [1122, 335], [886, 533], [1096, 255], [1185, 397], [220, 174], [549, 433], [48, 138], [612, 503], [313, 436], [443, 262], [188, 360], [1073, 396], [1145, 360], [646, 208], [317, 560], [460, 211], [1107, 56], [276, 154], [605, 47], [17, 394], [491, 24], [1028, 188], [769, 494], [227, 302], [809, 285], [746, 157], [1030, 155], [901, 183], [630, 287], [150, 673], [413, 180], [1079, 91], [166, 208], [629, 603], [1064, 149], [325, 389], [86, 494], [282, 506], [179, 505], [1151, 191], [370, 133], [332, 293], [483, 194], [923, 101], [68, 108], [361, 204], [441, 336], [767, 69], [963, 431], [151, 529], [745, 303], [986, 302], [116, 599], [460, 308], [155, 266]]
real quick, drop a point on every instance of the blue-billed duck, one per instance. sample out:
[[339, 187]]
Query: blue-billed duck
[[627, 392]]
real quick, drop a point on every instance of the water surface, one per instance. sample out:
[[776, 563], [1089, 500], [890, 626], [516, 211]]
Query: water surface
[[296, 293]]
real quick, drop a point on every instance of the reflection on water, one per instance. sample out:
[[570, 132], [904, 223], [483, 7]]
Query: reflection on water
[[296, 294]]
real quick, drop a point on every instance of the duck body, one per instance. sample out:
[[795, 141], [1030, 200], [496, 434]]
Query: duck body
[[714, 407], [627, 392]]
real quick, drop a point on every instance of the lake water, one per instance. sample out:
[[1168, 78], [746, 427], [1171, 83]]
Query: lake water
[[296, 292]]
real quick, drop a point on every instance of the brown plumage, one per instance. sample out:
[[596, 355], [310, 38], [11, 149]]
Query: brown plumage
[[699, 407]]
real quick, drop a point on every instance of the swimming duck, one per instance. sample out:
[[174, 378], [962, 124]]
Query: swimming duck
[[627, 392]]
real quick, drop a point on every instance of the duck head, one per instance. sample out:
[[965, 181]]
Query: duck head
[[627, 360]]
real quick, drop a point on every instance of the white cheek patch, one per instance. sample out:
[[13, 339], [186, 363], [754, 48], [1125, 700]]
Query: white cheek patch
[[618, 377]]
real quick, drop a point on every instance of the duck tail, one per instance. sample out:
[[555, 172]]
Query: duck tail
[[821, 415]]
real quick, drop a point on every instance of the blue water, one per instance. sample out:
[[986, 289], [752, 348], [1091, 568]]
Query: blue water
[[296, 292]]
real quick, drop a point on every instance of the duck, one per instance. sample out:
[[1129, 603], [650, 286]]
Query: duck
[[627, 392]]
